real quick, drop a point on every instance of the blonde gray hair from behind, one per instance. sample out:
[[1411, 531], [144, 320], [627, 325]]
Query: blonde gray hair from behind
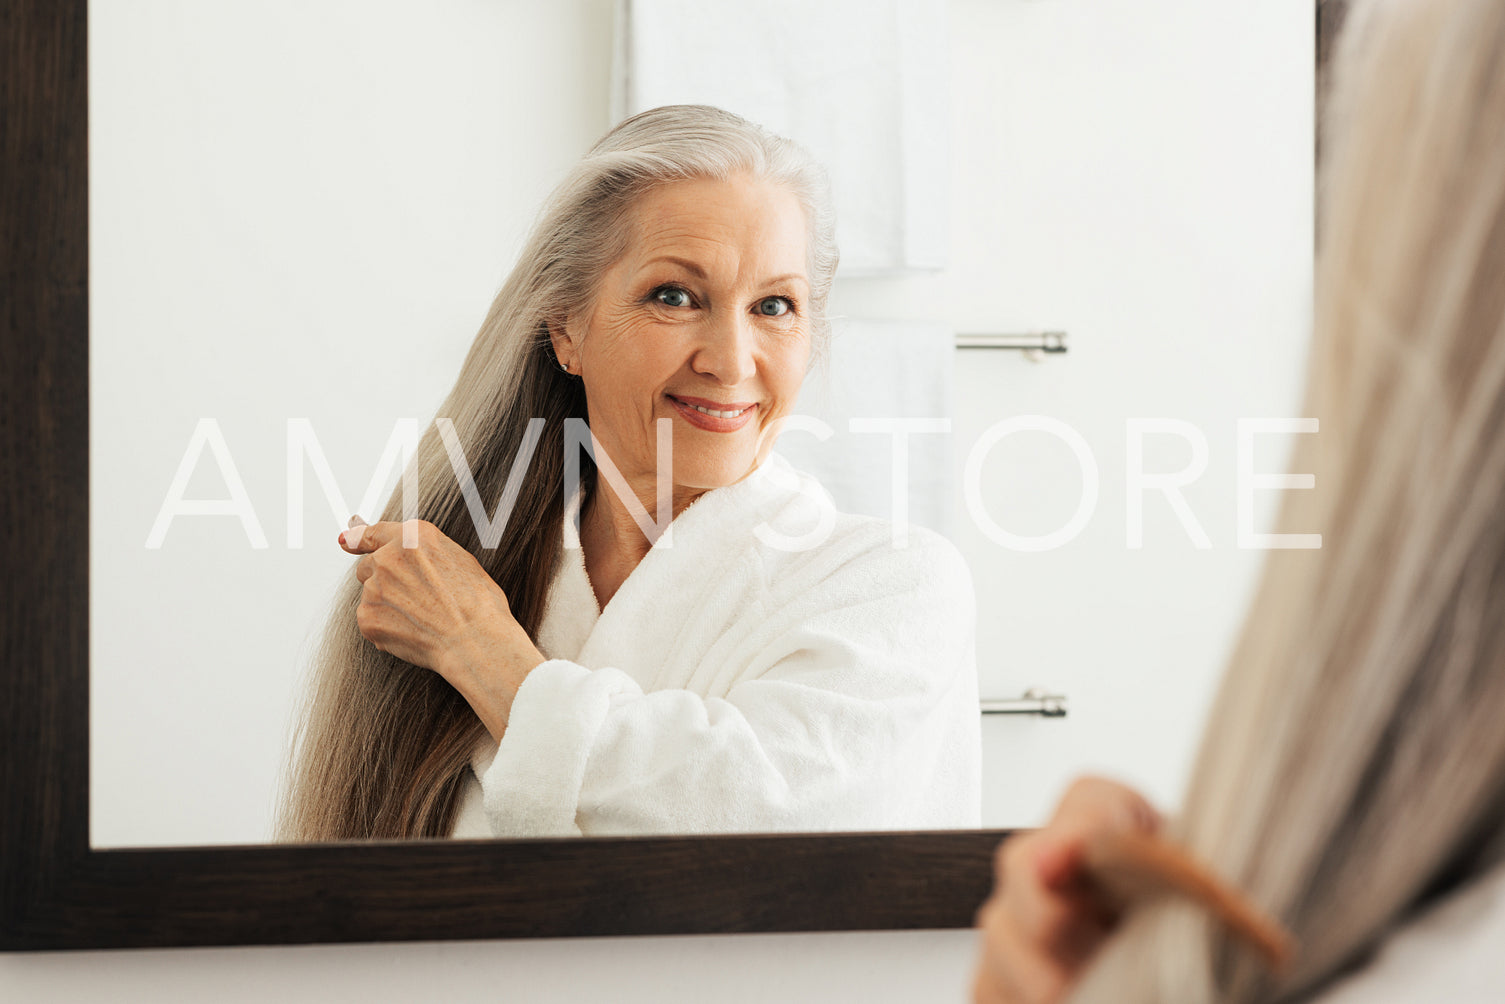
[[380, 747], [1353, 765]]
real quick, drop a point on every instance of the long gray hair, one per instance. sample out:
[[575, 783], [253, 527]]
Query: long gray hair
[[1354, 763], [382, 745]]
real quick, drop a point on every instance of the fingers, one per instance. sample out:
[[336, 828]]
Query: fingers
[[366, 538], [1091, 807], [1013, 968], [1064, 877], [1048, 916], [1098, 803], [1064, 919], [350, 540], [1058, 863]]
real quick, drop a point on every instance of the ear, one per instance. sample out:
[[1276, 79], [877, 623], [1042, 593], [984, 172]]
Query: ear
[[566, 346]]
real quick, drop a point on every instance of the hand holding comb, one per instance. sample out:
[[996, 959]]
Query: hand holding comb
[[1133, 867], [1062, 890]]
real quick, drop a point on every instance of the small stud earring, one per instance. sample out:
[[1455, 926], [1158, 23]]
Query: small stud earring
[[565, 367]]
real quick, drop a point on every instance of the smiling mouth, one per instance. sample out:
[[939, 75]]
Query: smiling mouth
[[711, 408]]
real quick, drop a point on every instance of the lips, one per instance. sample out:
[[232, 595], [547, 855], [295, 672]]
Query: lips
[[713, 416], [715, 405]]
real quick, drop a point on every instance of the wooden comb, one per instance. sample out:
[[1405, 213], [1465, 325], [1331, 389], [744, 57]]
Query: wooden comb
[[1132, 867]]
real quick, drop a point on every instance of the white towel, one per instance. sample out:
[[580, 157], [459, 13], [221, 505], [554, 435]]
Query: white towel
[[733, 685], [862, 84], [893, 380]]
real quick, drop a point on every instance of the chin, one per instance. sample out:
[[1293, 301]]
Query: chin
[[704, 470]]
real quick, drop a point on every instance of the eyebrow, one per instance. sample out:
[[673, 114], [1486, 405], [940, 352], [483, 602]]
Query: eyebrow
[[694, 269], [689, 266]]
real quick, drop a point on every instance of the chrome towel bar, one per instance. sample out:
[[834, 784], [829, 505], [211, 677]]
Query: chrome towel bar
[[1032, 702], [1033, 344]]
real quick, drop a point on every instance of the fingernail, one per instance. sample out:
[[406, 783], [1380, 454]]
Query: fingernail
[[352, 538], [1139, 817], [1050, 860], [1056, 862]]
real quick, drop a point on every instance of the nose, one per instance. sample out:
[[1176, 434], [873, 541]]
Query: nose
[[725, 352]]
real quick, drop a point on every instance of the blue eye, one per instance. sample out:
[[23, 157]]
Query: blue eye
[[774, 306], [672, 296]]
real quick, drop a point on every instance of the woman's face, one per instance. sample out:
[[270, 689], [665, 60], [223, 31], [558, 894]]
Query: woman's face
[[704, 322]]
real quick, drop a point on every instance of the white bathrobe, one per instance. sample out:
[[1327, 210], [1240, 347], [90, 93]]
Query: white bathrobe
[[742, 681]]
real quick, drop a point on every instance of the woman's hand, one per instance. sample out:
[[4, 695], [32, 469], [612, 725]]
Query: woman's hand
[[418, 602], [431, 603], [1045, 919]]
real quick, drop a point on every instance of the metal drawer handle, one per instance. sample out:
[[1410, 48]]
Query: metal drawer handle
[[1032, 702]]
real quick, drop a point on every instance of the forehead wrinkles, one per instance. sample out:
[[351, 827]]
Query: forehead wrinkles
[[728, 243]]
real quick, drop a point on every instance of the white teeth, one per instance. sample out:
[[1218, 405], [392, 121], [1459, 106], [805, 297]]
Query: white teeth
[[715, 414]]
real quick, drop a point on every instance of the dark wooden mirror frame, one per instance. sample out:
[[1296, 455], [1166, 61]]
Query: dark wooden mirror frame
[[56, 892]]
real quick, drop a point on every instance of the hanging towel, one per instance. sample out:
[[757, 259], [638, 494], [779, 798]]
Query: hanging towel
[[862, 84], [879, 375], [734, 685]]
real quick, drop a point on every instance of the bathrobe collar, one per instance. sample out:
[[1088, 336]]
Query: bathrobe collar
[[655, 606], [667, 583]]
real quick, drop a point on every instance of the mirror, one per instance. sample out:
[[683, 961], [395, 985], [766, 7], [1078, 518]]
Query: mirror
[[298, 218], [60, 893]]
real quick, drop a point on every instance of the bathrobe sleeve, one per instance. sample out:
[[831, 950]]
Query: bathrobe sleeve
[[857, 709]]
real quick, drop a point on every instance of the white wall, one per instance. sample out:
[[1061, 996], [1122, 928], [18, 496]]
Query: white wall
[[1136, 174], [286, 198], [1140, 176], [841, 968]]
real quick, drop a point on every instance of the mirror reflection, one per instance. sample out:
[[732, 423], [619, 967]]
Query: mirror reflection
[[670, 503], [704, 644]]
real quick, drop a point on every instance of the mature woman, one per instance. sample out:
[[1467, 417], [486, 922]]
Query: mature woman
[[1352, 776], [686, 637]]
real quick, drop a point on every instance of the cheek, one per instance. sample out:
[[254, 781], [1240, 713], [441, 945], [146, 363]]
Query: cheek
[[786, 374], [628, 363]]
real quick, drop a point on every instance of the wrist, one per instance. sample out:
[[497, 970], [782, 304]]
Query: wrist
[[487, 668]]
